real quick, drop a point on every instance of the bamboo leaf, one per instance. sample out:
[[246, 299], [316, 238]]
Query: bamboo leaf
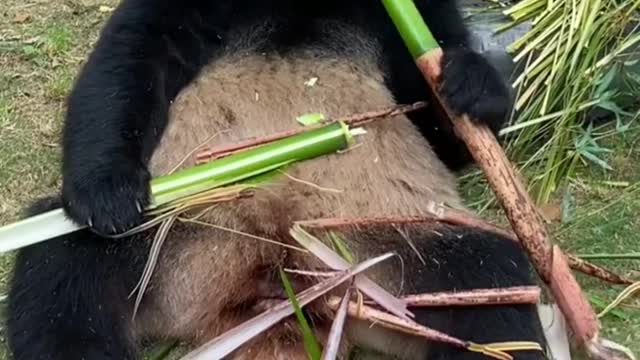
[[625, 294], [613, 107], [606, 80], [310, 342], [343, 249], [389, 302], [596, 160], [568, 209]]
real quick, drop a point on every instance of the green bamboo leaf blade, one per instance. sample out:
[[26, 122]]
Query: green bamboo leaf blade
[[311, 345], [242, 166], [412, 28], [245, 164]]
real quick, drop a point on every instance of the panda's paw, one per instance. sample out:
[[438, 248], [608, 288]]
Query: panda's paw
[[471, 85], [109, 202]]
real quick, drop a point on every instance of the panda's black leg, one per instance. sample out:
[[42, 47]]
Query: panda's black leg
[[68, 298], [464, 259]]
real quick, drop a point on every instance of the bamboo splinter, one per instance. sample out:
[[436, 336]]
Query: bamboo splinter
[[548, 260]]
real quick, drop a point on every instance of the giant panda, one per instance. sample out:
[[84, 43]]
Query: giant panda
[[164, 76]]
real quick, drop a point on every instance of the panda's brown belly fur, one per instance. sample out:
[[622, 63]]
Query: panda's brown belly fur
[[205, 276]]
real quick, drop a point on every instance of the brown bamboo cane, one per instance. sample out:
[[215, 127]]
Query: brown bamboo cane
[[548, 260]]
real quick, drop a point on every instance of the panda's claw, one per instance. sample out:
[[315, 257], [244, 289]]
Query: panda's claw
[[109, 202]]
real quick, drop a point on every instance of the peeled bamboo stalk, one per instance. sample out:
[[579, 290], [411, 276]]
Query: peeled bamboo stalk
[[183, 183]]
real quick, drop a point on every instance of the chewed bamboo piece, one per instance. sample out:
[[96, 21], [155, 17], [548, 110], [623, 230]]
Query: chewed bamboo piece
[[548, 260]]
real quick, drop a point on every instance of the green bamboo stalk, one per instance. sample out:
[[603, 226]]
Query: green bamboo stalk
[[246, 164], [234, 168], [414, 32]]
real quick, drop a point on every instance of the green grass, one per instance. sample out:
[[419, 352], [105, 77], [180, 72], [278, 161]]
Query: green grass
[[607, 221], [39, 58], [583, 51]]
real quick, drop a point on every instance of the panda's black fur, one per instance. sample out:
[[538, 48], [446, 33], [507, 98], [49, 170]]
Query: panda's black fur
[[240, 66]]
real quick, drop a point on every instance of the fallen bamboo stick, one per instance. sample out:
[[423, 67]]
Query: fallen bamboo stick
[[475, 297], [459, 217], [579, 264]]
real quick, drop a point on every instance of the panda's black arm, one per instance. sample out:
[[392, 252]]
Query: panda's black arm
[[118, 108], [470, 84]]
